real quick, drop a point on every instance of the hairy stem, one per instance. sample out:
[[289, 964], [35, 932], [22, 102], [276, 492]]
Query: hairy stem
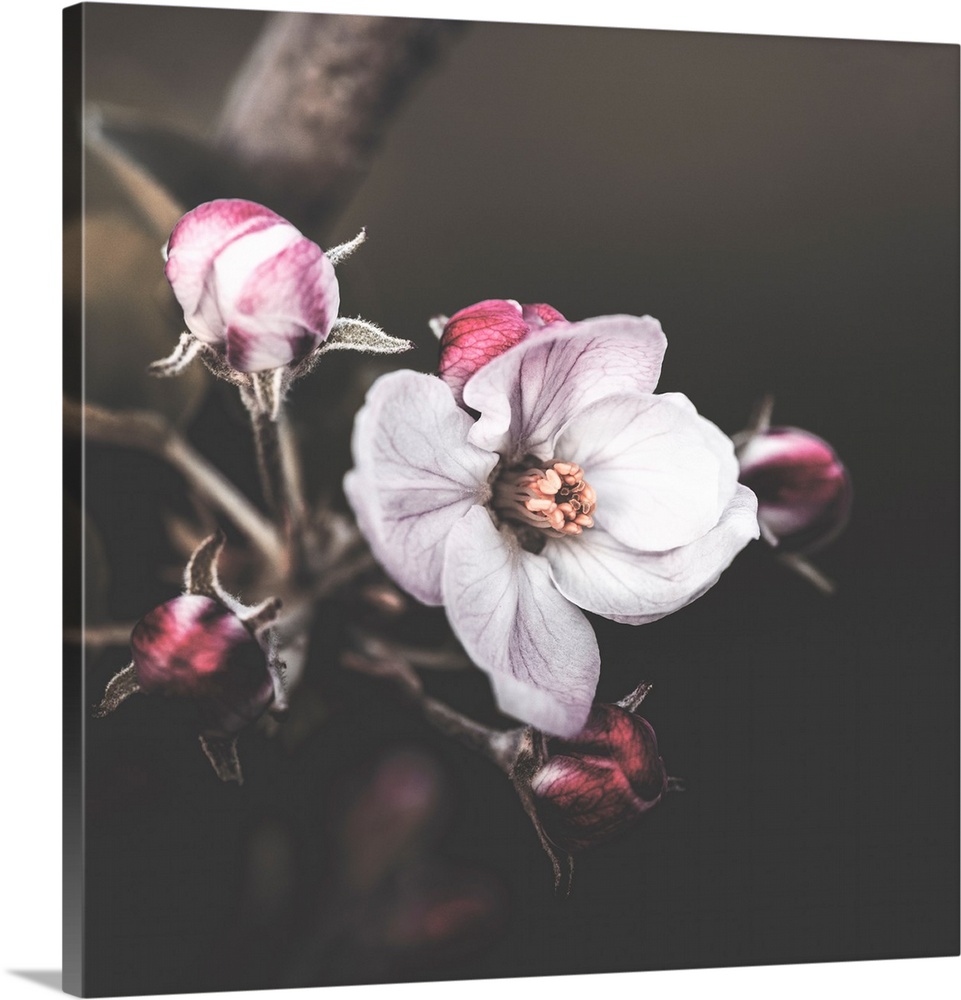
[[280, 475], [380, 660], [147, 431], [498, 746]]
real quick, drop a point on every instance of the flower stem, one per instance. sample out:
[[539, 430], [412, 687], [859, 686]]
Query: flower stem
[[280, 475], [807, 571], [498, 746]]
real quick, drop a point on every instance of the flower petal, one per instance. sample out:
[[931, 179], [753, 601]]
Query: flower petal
[[196, 241], [539, 650], [286, 303], [529, 393], [599, 574], [662, 473], [416, 476], [476, 335]]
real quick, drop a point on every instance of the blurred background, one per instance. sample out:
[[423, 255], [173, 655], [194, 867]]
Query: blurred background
[[788, 209]]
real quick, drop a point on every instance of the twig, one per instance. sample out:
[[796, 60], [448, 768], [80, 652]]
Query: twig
[[149, 432], [98, 636], [498, 746], [342, 572], [807, 571], [433, 659]]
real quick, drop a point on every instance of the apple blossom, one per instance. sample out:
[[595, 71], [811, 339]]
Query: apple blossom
[[574, 489]]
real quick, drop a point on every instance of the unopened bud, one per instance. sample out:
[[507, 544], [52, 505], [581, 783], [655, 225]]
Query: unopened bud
[[476, 335], [803, 490], [597, 784], [194, 648]]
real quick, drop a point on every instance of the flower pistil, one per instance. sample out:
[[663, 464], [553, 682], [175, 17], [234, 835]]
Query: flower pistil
[[557, 499]]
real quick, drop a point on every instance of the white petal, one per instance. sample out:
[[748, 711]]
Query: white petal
[[239, 259], [285, 307], [539, 650], [662, 473], [196, 241], [526, 395], [601, 575], [415, 476]]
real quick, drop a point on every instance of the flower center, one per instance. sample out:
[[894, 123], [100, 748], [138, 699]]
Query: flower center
[[554, 499]]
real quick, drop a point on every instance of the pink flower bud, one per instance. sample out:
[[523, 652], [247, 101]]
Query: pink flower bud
[[598, 783], [481, 332], [803, 490], [196, 649], [251, 285]]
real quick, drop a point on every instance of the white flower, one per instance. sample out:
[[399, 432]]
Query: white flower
[[573, 488]]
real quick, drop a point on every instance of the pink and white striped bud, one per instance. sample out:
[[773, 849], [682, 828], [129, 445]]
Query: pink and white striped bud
[[252, 287], [599, 783], [481, 332], [803, 490], [196, 649]]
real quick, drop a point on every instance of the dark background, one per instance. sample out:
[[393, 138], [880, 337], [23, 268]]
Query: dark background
[[788, 209]]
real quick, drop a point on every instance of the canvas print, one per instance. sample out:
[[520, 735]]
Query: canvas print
[[513, 473]]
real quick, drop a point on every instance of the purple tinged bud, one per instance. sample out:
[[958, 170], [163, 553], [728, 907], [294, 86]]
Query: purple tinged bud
[[597, 784], [251, 285], [195, 649], [803, 490]]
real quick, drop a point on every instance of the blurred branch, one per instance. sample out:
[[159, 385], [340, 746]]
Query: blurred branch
[[159, 209], [150, 432], [100, 636], [308, 109], [807, 571]]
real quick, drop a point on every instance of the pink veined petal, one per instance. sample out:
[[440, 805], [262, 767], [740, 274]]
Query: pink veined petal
[[476, 335], [662, 473], [285, 307], [540, 314], [599, 574], [201, 235], [415, 476], [529, 393], [538, 649]]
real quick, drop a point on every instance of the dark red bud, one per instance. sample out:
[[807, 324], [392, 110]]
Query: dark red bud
[[597, 784], [803, 490], [195, 648], [481, 332]]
